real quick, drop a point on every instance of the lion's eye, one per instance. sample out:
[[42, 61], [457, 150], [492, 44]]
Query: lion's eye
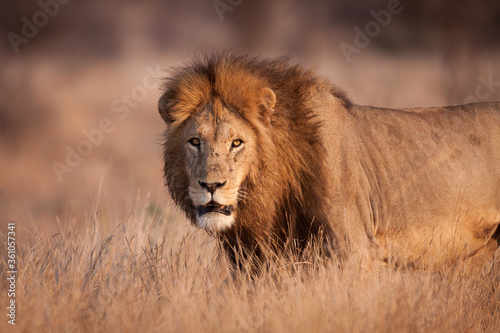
[[194, 142], [236, 143]]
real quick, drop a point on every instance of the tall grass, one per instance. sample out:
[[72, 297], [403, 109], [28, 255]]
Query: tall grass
[[154, 274]]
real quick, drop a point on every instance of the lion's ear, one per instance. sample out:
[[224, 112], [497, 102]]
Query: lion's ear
[[267, 103], [163, 107]]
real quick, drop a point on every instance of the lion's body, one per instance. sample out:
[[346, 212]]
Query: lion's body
[[411, 186], [420, 186]]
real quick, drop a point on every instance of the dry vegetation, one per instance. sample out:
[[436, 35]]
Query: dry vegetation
[[151, 275]]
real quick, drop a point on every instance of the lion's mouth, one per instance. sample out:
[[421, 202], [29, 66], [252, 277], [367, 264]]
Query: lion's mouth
[[214, 207]]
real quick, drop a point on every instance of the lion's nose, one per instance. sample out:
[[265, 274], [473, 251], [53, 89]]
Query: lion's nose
[[211, 187]]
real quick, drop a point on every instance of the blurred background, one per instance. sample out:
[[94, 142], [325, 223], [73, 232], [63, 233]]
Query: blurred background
[[79, 128]]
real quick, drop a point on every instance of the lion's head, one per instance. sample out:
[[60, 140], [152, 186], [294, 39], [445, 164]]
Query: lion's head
[[219, 148], [235, 154]]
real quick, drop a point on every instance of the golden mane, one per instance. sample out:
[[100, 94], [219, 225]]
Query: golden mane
[[286, 191]]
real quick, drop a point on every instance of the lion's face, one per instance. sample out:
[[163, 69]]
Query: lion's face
[[218, 156]]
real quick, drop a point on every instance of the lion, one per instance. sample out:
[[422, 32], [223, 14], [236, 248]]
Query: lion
[[263, 151]]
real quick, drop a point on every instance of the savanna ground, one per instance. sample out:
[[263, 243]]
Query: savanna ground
[[103, 249]]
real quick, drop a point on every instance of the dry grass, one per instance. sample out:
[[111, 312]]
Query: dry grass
[[152, 274]]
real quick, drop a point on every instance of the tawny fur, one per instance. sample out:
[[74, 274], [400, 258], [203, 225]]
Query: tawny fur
[[370, 180]]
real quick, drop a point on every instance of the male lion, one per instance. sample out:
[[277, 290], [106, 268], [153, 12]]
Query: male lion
[[261, 152]]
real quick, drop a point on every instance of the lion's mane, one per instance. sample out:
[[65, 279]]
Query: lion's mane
[[286, 188]]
